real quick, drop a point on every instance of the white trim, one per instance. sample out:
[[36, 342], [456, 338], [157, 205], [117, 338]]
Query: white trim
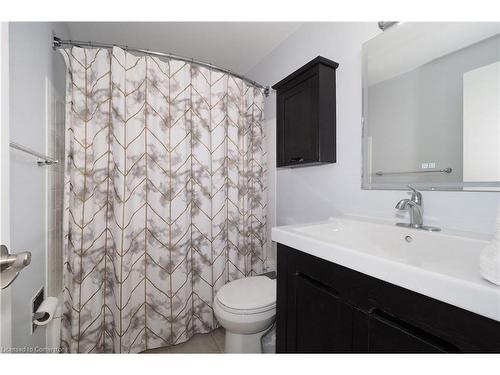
[[48, 89], [5, 295]]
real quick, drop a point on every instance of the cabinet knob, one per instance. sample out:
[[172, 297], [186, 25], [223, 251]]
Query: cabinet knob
[[298, 159]]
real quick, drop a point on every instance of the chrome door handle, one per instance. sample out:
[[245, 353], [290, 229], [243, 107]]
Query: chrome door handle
[[11, 265]]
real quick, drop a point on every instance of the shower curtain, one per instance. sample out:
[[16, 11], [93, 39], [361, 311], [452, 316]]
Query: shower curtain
[[164, 197]]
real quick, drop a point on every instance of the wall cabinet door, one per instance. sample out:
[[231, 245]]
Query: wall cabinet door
[[319, 322], [306, 115], [298, 123]]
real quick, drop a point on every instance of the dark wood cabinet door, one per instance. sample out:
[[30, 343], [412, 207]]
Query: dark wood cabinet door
[[378, 332], [319, 322], [306, 115], [298, 123]]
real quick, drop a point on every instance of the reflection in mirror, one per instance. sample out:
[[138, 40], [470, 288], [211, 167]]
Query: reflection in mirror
[[431, 107]]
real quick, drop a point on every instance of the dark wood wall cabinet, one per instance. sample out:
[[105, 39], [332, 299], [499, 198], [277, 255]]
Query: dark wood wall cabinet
[[323, 307], [305, 115]]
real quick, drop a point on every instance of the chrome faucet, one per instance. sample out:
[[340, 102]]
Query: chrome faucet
[[416, 211]]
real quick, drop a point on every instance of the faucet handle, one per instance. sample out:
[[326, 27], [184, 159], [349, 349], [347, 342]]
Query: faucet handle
[[416, 196]]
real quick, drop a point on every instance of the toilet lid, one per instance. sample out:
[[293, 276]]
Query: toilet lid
[[248, 293]]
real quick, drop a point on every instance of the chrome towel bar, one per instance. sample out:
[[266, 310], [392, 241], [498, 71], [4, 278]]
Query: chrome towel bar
[[443, 170], [42, 159]]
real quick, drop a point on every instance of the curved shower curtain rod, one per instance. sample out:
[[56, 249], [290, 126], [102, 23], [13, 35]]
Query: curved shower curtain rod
[[60, 43]]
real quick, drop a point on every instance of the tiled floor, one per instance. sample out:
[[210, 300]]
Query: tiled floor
[[212, 342]]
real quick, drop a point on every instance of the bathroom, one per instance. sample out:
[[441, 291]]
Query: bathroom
[[299, 185]]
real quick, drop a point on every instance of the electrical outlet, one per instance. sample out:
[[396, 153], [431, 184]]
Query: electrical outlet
[[428, 165]]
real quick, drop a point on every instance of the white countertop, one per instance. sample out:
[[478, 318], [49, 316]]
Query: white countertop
[[443, 265]]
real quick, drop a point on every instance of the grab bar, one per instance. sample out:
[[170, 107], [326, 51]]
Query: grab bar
[[443, 170], [42, 159]]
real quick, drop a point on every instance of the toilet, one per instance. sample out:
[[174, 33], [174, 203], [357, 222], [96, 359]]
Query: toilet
[[246, 308]]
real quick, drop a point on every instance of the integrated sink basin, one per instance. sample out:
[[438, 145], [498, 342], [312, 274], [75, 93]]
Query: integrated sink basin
[[443, 265]]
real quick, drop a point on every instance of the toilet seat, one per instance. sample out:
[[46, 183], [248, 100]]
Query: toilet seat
[[249, 295], [245, 311]]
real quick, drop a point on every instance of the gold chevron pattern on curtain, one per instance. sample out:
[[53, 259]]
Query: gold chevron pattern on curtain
[[165, 198]]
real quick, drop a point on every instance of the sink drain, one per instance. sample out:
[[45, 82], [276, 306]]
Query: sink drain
[[408, 239]]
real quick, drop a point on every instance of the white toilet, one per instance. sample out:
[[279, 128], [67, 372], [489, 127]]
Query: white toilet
[[246, 308]]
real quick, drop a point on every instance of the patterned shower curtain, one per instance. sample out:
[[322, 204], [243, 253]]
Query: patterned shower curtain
[[164, 197]]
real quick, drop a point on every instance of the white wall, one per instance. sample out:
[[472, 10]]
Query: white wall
[[31, 61], [481, 154], [315, 193]]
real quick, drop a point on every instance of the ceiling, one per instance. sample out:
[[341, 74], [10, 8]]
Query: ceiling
[[237, 46]]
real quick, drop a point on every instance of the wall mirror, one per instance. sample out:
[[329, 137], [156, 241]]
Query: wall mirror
[[431, 107]]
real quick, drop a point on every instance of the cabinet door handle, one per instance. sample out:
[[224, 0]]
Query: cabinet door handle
[[419, 333], [298, 159], [318, 284]]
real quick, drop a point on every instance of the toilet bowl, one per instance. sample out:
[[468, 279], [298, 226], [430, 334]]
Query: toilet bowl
[[246, 308]]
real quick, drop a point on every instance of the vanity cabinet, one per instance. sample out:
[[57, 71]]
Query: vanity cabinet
[[379, 332], [321, 319], [305, 115], [323, 307]]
